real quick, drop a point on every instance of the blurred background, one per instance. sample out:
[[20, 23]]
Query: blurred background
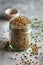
[[28, 8]]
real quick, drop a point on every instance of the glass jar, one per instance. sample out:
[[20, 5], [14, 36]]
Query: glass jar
[[19, 36]]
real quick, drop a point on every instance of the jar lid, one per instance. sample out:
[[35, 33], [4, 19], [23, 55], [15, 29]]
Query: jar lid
[[20, 22]]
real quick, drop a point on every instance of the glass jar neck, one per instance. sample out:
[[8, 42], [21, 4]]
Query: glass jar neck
[[27, 28]]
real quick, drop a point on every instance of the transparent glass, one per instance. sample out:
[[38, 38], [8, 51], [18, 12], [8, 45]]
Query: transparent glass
[[19, 38]]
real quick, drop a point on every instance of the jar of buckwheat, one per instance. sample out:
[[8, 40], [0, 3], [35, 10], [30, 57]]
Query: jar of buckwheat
[[19, 34]]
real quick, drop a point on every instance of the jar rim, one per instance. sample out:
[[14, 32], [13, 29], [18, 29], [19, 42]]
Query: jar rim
[[13, 26]]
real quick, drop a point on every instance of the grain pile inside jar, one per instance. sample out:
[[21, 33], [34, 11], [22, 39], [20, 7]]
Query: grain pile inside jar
[[19, 33], [20, 22]]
